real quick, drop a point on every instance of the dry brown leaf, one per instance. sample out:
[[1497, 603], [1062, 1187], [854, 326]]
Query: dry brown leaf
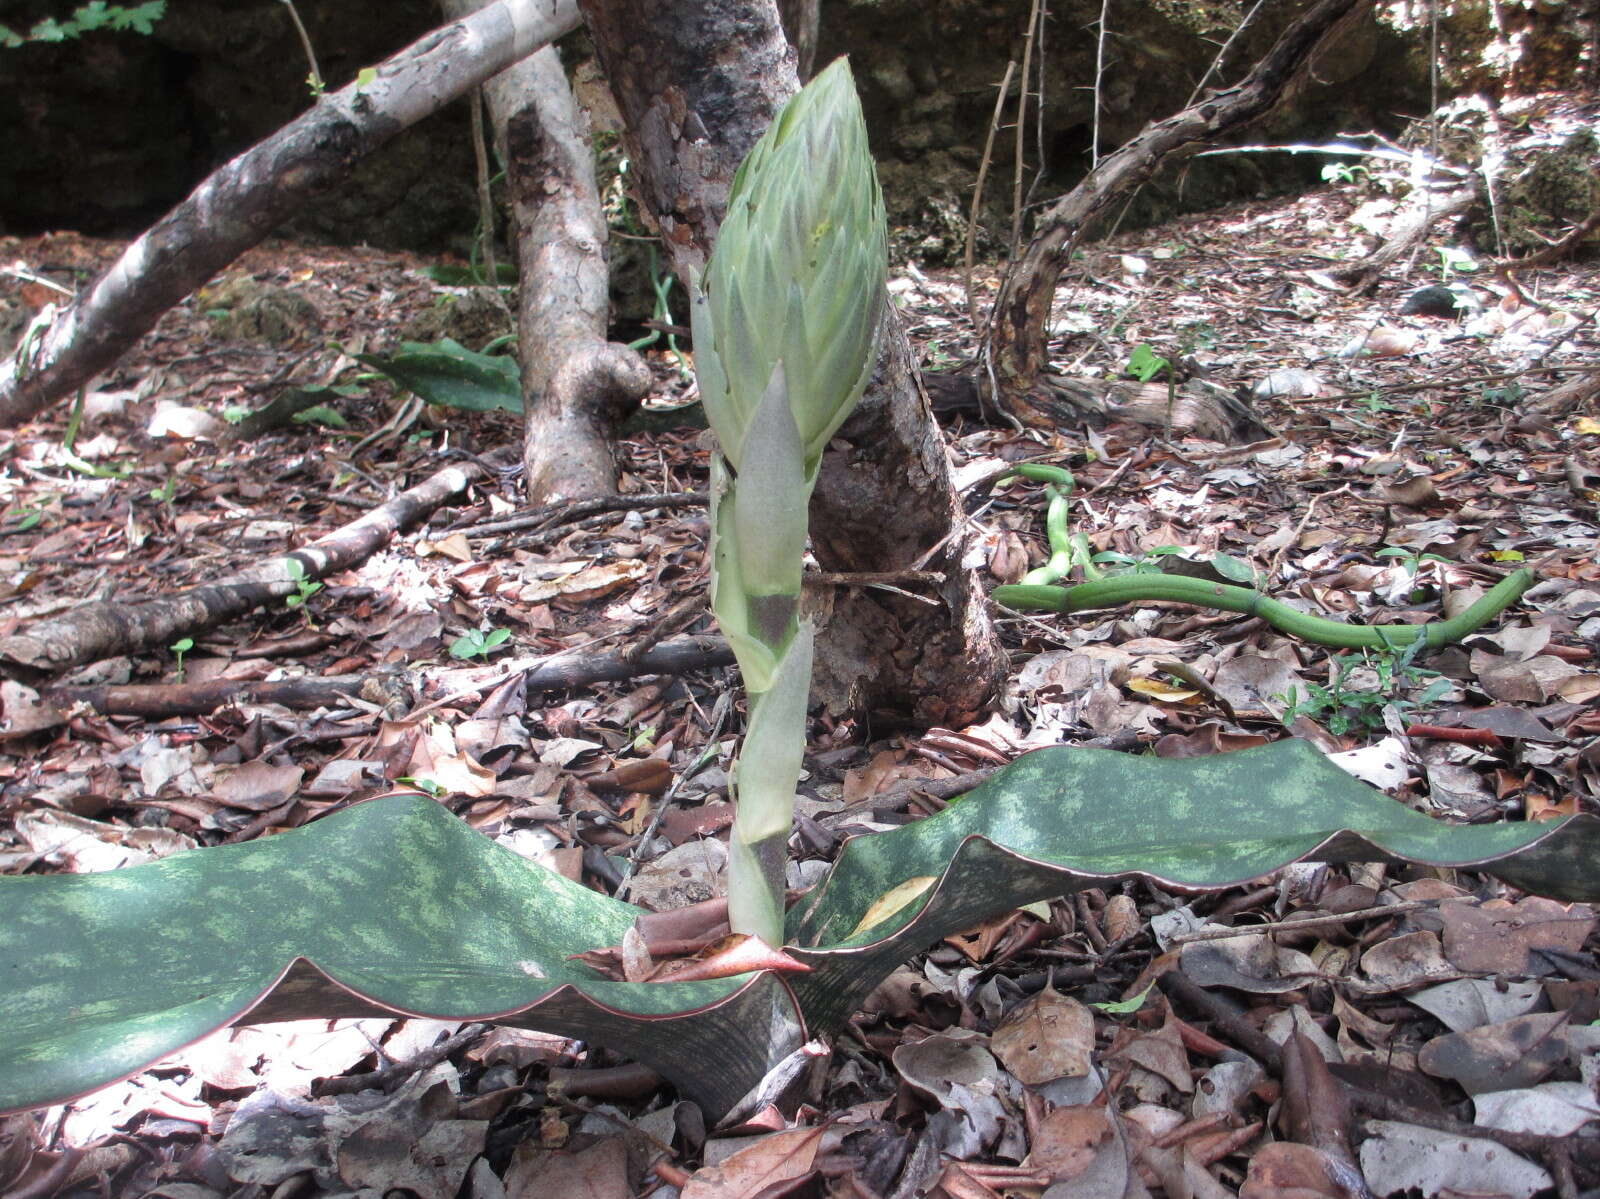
[[1046, 1037]]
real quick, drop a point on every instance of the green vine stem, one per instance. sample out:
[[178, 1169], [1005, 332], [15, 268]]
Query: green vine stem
[[1036, 592], [1124, 589]]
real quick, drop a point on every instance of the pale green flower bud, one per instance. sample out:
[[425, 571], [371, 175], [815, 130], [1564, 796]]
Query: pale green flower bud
[[798, 273]]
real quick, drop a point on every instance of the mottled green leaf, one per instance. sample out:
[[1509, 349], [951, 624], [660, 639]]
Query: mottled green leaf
[[1061, 819], [449, 374], [398, 905], [395, 906]]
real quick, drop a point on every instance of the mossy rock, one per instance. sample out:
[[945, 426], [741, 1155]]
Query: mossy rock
[[1557, 190], [245, 309]]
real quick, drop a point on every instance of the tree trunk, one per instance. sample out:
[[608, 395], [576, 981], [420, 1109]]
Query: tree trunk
[[802, 20], [576, 386], [243, 201], [697, 84], [1016, 352]]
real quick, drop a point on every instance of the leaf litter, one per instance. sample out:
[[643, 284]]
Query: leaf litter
[[1445, 1044]]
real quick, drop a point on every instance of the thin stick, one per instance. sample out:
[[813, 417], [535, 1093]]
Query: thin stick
[[560, 514], [480, 154], [1222, 54], [1022, 128], [317, 86], [1099, 71], [386, 1078], [719, 717], [977, 194], [1276, 926], [1277, 559]]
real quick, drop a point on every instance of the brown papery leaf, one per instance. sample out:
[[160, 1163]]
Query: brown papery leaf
[[1047, 1037]]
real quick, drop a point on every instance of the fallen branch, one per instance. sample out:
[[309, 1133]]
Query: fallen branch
[[243, 201], [390, 1076], [559, 514], [105, 629], [1409, 229], [1016, 352], [554, 672]]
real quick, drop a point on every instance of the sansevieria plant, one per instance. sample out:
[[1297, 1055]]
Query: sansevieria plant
[[395, 906], [785, 329]]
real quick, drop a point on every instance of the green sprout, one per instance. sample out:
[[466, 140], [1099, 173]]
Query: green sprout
[[786, 321], [476, 643], [1347, 708], [180, 647], [1145, 364], [305, 587]]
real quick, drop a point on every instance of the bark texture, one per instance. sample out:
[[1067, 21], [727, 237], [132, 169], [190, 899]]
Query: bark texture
[[697, 84], [576, 386], [802, 20], [1016, 352], [243, 201], [104, 629], [555, 672]]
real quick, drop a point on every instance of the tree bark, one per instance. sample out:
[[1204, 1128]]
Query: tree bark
[[243, 201], [103, 629], [697, 84], [551, 672], [1016, 351], [802, 21], [577, 387]]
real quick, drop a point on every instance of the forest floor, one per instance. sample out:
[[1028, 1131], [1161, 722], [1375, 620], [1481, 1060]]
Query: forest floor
[[1411, 466]]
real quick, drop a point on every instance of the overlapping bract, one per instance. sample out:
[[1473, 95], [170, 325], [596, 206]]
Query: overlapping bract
[[798, 273], [785, 333]]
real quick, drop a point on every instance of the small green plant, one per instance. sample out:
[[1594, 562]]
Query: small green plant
[[27, 515], [1197, 335], [1507, 395], [1345, 172], [97, 14], [164, 493], [180, 647], [1453, 261], [305, 587], [1145, 364], [476, 643], [1408, 558], [1344, 709]]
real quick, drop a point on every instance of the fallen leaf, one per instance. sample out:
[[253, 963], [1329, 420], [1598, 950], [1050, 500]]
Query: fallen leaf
[[892, 901], [1401, 1156], [1047, 1036], [780, 1158]]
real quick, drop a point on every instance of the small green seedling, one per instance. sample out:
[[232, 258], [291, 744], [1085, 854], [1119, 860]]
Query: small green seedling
[[1412, 562], [306, 587], [1453, 261], [1124, 1007], [1345, 172], [1145, 364], [1345, 709], [164, 493], [476, 643], [180, 647], [425, 785], [28, 515]]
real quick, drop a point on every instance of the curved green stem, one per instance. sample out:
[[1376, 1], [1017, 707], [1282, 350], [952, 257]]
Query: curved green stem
[[1177, 588], [1060, 537], [1064, 548]]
